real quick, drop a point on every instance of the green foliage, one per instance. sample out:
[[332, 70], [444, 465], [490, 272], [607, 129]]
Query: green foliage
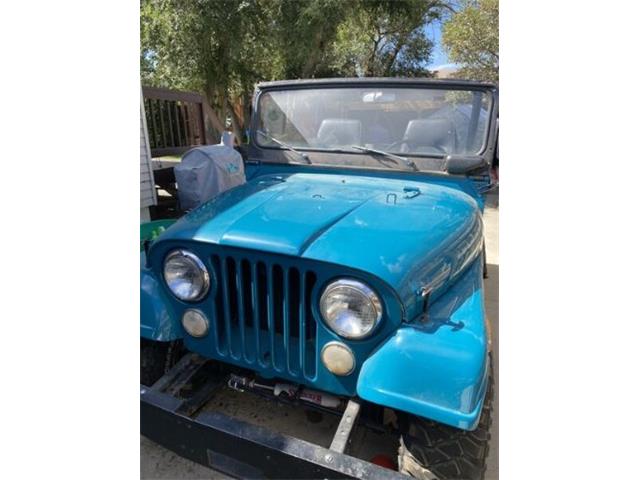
[[471, 39], [224, 47], [302, 35], [385, 39]]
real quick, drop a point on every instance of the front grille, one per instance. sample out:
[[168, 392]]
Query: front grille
[[263, 314]]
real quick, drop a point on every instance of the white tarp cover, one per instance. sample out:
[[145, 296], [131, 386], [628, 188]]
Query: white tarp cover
[[207, 171]]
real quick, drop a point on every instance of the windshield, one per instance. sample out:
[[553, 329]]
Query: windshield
[[406, 121]]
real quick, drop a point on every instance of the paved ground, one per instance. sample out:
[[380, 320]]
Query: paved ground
[[491, 305], [156, 462]]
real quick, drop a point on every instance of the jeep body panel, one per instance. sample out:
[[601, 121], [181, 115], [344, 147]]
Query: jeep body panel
[[397, 235], [438, 369], [157, 319], [414, 237]]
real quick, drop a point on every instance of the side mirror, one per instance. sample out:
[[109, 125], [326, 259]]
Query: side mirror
[[461, 164]]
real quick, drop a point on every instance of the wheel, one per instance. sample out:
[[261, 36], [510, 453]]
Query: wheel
[[156, 358], [433, 451]]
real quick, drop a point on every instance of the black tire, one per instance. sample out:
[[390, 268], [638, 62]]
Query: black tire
[[485, 271], [433, 451], [156, 358]]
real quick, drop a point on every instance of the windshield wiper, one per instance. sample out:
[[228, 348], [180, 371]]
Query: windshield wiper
[[409, 163], [302, 155]]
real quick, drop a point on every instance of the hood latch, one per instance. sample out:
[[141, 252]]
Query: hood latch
[[411, 192]]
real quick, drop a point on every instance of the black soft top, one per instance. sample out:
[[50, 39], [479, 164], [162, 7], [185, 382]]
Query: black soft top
[[421, 82]]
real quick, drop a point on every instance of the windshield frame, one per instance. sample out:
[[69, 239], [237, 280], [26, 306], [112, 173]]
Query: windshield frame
[[457, 86], [274, 154]]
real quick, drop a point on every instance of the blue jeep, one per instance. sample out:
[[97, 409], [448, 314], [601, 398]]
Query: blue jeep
[[349, 267]]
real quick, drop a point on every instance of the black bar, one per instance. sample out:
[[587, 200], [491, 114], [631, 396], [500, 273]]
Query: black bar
[[168, 94], [168, 105], [168, 151], [243, 450], [187, 365], [163, 143], [151, 122], [190, 406]]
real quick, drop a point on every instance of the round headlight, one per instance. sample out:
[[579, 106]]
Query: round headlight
[[186, 276], [351, 308]]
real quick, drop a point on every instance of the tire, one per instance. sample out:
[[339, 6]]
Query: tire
[[433, 451], [156, 358], [485, 270]]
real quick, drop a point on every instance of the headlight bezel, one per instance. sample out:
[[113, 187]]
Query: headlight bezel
[[362, 288], [200, 266]]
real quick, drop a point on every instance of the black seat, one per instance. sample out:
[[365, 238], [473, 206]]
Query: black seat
[[337, 132], [429, 135]]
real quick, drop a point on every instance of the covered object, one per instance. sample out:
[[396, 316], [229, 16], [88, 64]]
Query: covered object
[[207, 171]]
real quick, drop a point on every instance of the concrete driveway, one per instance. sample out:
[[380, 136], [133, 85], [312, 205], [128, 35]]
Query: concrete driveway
[[491, 305], [157, 462]]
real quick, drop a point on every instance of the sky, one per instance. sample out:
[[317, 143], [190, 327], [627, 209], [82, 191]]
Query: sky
[[439, 57]]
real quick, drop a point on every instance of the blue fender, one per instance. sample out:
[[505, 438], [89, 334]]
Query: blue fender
[[437, 368], [156, 320]]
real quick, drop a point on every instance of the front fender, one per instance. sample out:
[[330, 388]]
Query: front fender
[[438, 368], [156, 320]]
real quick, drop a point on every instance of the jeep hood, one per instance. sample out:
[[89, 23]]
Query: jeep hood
[[412, 235]]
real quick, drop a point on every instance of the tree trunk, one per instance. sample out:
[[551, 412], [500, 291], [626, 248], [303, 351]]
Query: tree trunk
[[247, 97], [394, 55], [312, 62], [236, 124], [215, 121], [370, 70], [214, 116]]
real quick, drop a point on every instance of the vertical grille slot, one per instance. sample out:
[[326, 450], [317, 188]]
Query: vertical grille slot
[[308, 328], [238, 287], [271, 324], [221, 339], [293, 321], [245, 307], [263, 314], [262, 311], [232, 291], [230, 301]]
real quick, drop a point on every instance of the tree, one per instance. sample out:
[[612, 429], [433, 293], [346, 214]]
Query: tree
[[224, 47], [471, 39], [209, 46], [304, 32], [385, 38]]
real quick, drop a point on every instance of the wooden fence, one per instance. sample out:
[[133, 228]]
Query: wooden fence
[[177, 121]]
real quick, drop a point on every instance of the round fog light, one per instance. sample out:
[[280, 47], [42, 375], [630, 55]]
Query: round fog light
[[338, 358], [195, 323]]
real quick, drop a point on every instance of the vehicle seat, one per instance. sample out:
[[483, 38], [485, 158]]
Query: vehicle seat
[[337, 132], [429, 135]]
